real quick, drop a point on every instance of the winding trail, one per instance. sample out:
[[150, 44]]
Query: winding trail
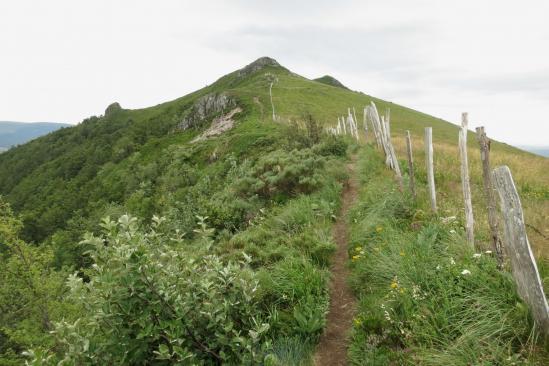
[[332, 349]]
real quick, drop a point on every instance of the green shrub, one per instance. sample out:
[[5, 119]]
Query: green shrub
[[148, 300], [332, 145], [282, 174]]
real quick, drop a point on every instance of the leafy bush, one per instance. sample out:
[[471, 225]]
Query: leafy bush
[[332, 145], [282, 173], [147, 299], [30, 291]]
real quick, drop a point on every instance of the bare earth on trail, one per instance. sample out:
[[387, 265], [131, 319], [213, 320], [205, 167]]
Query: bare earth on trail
[[332, 349]]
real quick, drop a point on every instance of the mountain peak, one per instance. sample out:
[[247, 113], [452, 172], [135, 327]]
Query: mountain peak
[[258, 64], [330, 80]]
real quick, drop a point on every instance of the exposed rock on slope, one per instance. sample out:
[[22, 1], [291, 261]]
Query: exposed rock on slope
[[206, 107], [219, 125], [114, 107]]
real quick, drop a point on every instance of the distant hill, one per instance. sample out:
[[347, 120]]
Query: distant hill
[[538, 150], [330, 80], [16, 133]]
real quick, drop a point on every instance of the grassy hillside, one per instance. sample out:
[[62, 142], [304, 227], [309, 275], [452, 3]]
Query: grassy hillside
[[243, 214]]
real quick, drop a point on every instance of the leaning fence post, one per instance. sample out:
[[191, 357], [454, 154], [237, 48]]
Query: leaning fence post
[[393, 158], [365, 115], [430, 168], [489, 194], [469, 221], [410, 164], [356, 122], [523, 263], [376, 124]]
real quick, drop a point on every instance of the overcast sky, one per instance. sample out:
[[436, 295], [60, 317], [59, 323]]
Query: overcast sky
[[64, 60]]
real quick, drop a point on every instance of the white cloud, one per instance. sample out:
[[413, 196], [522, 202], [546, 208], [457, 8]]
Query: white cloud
[[63, 60]]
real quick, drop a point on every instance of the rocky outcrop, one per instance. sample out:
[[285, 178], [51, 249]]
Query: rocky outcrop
[[206, 108], [219, 125], [258, 64], [114, 107]]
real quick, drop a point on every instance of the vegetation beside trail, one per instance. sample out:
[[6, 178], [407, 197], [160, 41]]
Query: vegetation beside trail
[[424, 296], [203, 296], [122, 242]]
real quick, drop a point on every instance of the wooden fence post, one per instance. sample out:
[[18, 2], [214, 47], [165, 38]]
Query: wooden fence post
[[523, 263], [469, 221], [490, 194], [365, 121], [356, 122], [374, 116], [410, 164], [393, 158], [385, 143], [353, 123], [430, 168]]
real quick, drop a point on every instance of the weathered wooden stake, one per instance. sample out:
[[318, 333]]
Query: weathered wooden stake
[[374, 116], [352, 122], [395, 164], [430, 168], [466, 188], [355, 120], [365, 121], [410, 164], [489, 194], [385, 142], [390, 158], [523, 263]]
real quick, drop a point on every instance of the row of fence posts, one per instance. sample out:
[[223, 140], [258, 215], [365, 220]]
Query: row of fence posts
[[500, 180]]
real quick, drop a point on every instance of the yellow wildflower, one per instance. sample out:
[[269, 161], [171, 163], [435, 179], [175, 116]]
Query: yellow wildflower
[[379, 229], [394, 285], [402, 254], [355, 257], [357, 321], [358, 249]]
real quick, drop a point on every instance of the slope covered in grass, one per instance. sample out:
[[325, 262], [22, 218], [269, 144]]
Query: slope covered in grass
[[425, 297]]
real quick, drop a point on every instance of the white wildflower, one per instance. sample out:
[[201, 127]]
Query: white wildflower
[[438, 267], [452, 231], [447, 220], [477, 255], [465, 272], [417, 294], [488, 252], [452, 261]]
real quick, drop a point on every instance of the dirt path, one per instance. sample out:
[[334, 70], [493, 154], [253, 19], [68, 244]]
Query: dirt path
[[332, 349]]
